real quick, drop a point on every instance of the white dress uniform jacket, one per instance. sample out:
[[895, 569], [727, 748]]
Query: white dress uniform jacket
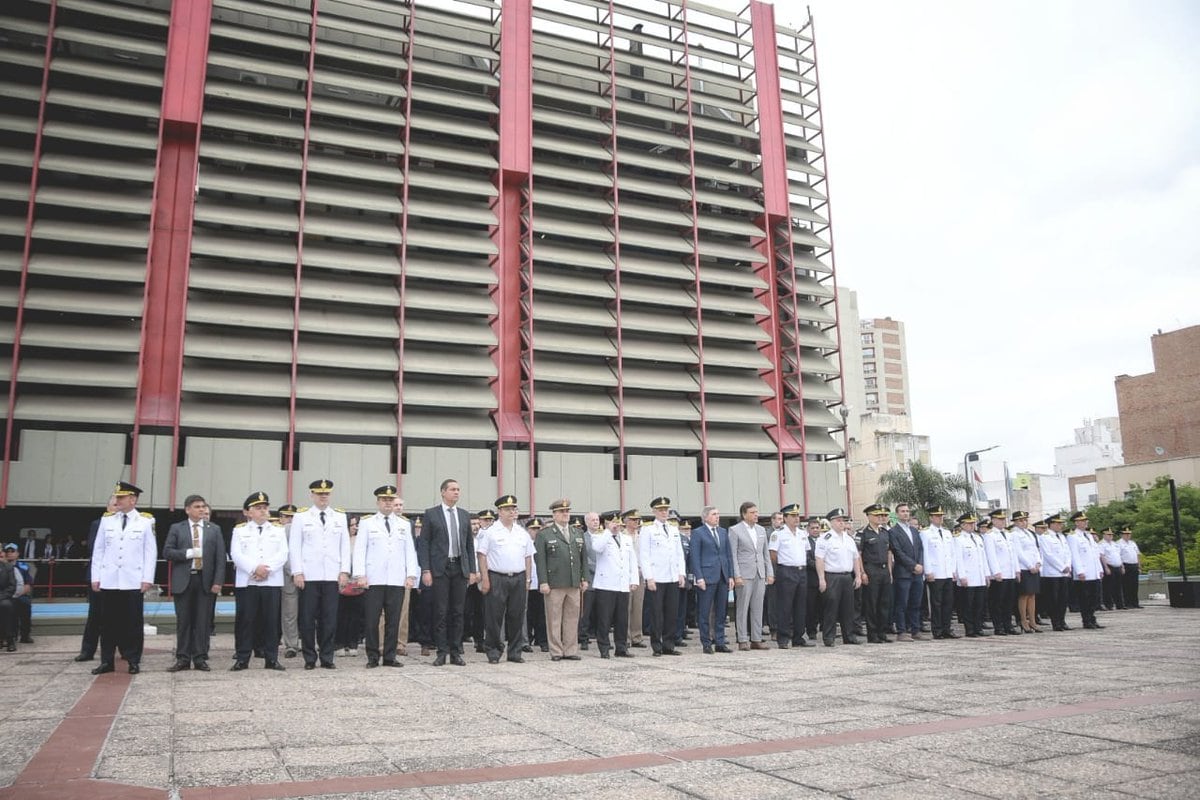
[[661, 556], [1085, 556], [970, 559], [1028, 555], [1001, 556], [1056, 555], [124, 558], [251, 546], [319, 552], [384, 551], [616, 563], [938, 545]]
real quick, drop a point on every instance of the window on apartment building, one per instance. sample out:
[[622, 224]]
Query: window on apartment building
[[872, 398], [869, 368], [868, 338], [872, 382], [868, 352]]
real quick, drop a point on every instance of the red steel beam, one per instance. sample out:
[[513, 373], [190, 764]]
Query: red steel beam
[[615, 224], [26, 247], [164, 316], [405, 137]]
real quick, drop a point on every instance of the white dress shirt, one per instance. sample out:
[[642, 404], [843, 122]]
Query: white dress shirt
[[505, 548]]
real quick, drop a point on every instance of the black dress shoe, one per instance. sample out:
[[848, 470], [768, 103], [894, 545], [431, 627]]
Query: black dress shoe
[[493, 659], [392, 663], [440, 661], [951, 636], [289, 653], [328, 665], [572, 658], [637, 644], [11, 645], [583, 645], [855, 640], [238, 666], [134, 669], [1096, 626], [805, 643], [26, 640], [604, 654], [457, 660], [202, 666], [480, 648], [722, 649], [545, 648], [179, 666], [82, 657], [656, 653], [672, 653], [103, 668], [556, 658], [308, 665], [708, 651], [680, 644], [275, 665], [527, 649], [516, 660], [624, 654], [1066, 627], [372, 663], [785, 645]]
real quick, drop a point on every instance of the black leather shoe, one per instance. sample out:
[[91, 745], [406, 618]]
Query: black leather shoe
[[637, 644], [179, 666], [556, 658], [103, 668], [238, 666], [82, 657], [202, 666], [11, 646], [455, 659], [855, 640], [572, 658], [275, 665], [722, 649], [392, 663], [545, 648], [624, 654], [440, 661], [605, 654], [679, 643], [672, 653], [828, 644], [516, 659], [372, 663], [805, 643], [527, 649], [310, 666], [493, 659], [134, 669], [708, 651], [289, 653], [583, 645], [328, 665], [26, 640], [1096, 626], [786, 645]]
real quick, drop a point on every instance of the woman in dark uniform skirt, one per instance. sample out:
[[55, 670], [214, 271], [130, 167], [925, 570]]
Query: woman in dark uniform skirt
[[1028, 587]]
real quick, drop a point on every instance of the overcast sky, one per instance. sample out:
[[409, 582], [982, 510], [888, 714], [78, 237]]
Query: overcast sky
[[1019, 183]]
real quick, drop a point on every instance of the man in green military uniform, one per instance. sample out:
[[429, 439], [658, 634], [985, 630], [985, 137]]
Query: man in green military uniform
[[562, 577]]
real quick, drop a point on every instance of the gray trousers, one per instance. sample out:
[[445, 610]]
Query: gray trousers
[[289, 612], [748, 602]]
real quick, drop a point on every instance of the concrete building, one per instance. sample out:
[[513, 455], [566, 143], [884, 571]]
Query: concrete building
[[855, 407], [1039, 494], [1112, 483], [546, 248], [887, 443], [885, 366], [1097, 444], [1160, 411]]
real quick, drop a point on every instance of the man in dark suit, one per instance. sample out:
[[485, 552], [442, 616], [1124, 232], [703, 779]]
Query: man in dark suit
[[91, 629], [908, 577], [446, 554], [711, 561], [196, 549]]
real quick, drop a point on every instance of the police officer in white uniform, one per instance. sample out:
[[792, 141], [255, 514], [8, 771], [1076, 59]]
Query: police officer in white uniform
[[1056, 572], [614, 577], [788, 547], [1004, 569], [319, 550], [385, 564], [839, 572], [505, 552], [1131, 563], [1088, 569], [937, 544], [971, 567], [258, 550], [661, 560], [1110, 553], [123, 559]]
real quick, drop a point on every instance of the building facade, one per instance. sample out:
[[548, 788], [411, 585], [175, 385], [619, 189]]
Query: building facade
[[549, 248], [1160, 411], [885, 366]]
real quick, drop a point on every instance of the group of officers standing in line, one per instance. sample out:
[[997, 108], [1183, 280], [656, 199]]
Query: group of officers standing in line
[[618, 574]]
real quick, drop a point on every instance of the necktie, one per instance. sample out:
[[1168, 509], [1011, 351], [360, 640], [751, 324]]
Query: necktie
[[196, 544], [716, 539], [260, 528], [453, 533], [124, 521], [322, 520], [387, 524]]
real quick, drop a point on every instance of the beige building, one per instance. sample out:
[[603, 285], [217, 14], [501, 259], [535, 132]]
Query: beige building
[[885, 366], [887, 443], [1113, 482]]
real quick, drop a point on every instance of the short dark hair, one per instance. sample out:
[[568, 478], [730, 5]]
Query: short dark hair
[[193, 498], [903, 505], [746, 506], [446, 483]]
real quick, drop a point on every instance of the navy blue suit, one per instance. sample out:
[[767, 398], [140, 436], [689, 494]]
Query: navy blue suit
[[908, 587], [711, 560]]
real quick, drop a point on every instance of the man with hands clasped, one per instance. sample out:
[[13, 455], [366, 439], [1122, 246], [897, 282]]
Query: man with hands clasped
[[385, 564]]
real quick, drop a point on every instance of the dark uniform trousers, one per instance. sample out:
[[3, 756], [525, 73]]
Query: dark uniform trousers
[[812, 599], [535, 618], [259, 622], [449, 596], [663, 603], [1111, 585], [612, 611], [91, 629], [791, 599], [121, 620], [838, 606], [877, 600], [941, 602], [504, 606], [385, 600], [1089, 600], [473, 616], [318, 620], [1054, 601], [1129, 584], [587, 616], [974, 599], [1001, 599]]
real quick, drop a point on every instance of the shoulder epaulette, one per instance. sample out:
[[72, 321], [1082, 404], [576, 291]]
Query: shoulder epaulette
[[827, 535], [302, 510], [240, 525], [147, 514], [403, 517], [340, 510], [647, 524], [108, 513]]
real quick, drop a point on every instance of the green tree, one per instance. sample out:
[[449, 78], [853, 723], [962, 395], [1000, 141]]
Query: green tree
[[920, 486], [1147, 512]]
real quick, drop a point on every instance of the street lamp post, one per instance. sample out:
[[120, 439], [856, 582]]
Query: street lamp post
[[967, 473]]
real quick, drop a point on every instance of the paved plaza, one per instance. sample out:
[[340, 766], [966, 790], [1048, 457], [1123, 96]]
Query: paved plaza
[[1112, 713]]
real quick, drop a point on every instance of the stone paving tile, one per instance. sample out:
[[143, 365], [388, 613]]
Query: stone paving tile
[[1085, 769], [1006, 783], [137, 769], [839, 776], [1176, 786], [923, 789]]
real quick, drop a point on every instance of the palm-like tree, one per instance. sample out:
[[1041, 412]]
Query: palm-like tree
[[921, 486]]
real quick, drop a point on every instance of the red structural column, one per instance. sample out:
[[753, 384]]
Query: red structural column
[[161, 362], [516, 163], [770, 111]]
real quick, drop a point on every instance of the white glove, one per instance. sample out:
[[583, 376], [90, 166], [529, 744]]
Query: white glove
[[191, 552]]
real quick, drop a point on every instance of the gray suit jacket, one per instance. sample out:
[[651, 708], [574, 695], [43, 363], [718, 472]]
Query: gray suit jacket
[[179, 541], [750, 560]]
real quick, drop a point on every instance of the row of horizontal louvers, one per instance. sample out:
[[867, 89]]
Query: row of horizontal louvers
[[90, 234]]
